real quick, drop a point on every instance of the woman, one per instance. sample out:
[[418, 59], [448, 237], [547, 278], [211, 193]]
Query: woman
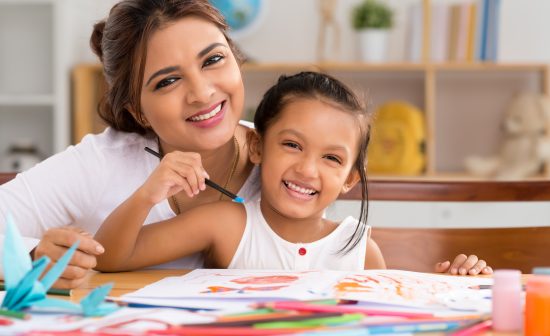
[[174, 84]]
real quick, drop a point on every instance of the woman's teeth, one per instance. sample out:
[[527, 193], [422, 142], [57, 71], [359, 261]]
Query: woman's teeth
[[301, 190], [207, 115]]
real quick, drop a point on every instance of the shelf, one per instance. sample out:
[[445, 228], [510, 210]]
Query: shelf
[[394, 67], [440, 176], [26, 100], [25, 2]]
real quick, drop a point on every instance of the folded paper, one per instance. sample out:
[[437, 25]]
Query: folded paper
[[25, 290]]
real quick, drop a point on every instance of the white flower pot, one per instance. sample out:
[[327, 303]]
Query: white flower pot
[[373, 45]]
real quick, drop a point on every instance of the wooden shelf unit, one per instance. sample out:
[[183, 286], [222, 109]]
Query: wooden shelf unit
[[463, 103]]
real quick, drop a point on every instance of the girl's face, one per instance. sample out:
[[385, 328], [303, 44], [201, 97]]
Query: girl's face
[[192, 93], [306, 158]]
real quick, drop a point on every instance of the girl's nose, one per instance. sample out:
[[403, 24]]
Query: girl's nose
[[200, 89], [307, 167]]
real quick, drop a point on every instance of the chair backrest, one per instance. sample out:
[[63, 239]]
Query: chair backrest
[[418, 249], [5, 177]]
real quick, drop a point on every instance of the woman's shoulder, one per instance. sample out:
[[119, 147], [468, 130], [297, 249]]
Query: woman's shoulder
[[113, 140]]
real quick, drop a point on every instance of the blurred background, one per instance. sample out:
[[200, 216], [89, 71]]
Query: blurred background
[[443, 75]]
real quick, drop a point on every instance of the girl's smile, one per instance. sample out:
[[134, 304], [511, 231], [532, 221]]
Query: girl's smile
[[304, 170]]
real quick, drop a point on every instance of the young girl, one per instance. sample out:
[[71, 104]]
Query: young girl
[[310, 142]]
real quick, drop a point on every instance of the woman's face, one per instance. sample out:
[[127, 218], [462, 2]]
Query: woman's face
[[192, 94]]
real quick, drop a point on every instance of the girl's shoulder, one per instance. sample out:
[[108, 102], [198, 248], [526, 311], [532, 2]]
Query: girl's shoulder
[[226, 213]]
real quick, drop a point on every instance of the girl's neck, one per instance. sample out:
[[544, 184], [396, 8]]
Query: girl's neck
[[297, 230]]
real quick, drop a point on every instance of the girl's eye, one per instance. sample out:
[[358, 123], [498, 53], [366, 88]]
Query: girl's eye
[[334, 158], [212, 60], [291, 145], [165, 82]]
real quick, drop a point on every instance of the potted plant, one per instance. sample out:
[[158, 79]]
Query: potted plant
[[373, 20]]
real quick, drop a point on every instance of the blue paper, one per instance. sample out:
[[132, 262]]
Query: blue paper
[[25, 290]]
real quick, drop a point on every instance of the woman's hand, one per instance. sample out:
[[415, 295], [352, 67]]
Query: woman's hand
[[57, 241], [177, 171], [464, 265]]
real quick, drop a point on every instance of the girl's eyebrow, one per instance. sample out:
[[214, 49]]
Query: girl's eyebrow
[[299, 135], [172, 68]]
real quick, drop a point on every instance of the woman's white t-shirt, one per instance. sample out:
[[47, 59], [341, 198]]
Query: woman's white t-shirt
[[83, 184]]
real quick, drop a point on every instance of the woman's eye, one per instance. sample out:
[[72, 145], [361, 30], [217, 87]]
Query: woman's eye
[[334, 158], [213, 60], [165, 82]]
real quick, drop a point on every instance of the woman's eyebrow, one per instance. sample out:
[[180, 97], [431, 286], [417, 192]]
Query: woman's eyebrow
[[162, 72], [206, 50]]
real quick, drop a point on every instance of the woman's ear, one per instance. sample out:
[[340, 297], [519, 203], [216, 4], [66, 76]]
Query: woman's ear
[[254, 146], [138, 117], [351, 181]]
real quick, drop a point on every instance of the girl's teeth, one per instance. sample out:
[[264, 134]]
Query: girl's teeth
[[301, 190], [208, 115]]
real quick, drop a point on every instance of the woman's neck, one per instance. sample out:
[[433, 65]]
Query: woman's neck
[[218, 164]]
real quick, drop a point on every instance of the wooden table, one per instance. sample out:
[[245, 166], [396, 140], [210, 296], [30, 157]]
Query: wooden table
[[124, 282]]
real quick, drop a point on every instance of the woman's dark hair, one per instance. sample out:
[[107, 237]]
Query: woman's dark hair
[[314, 85], [120, 42]]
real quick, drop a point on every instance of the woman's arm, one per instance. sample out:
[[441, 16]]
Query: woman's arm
[[373, 256]]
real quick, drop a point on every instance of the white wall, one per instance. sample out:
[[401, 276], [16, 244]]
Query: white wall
[[290, 28]]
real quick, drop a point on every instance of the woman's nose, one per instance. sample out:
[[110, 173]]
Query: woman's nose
[[200, 89]]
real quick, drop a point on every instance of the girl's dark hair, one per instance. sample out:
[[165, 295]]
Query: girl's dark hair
[[120, 42], [316, 85]]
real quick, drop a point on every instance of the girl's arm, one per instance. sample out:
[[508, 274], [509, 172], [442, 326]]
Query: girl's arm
[[130, 245], [373, 256]]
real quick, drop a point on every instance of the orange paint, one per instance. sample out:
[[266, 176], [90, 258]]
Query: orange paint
[[537, 306]]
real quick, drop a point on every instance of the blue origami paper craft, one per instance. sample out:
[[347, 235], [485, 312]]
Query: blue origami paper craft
[[25, 290]]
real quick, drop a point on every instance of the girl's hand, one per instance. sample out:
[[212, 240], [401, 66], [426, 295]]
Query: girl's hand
[[463, 265], [177, 171]]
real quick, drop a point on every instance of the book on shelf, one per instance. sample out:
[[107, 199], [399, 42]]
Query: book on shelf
[[465, 31]]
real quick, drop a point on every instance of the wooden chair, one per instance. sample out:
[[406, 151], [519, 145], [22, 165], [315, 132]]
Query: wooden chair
[[418, 249], [5, 177]]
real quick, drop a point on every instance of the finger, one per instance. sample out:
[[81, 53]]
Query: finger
[[468, 264], [66, 238], [74, 273], [442, 267], [90, 246], [79, 258], [477, 267], [487, 270], [77, 230], [62, 283], [189, 166], [459, 260], [190, 175]]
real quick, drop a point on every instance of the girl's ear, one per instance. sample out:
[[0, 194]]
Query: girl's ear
[[254, 146], [351, 181]]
